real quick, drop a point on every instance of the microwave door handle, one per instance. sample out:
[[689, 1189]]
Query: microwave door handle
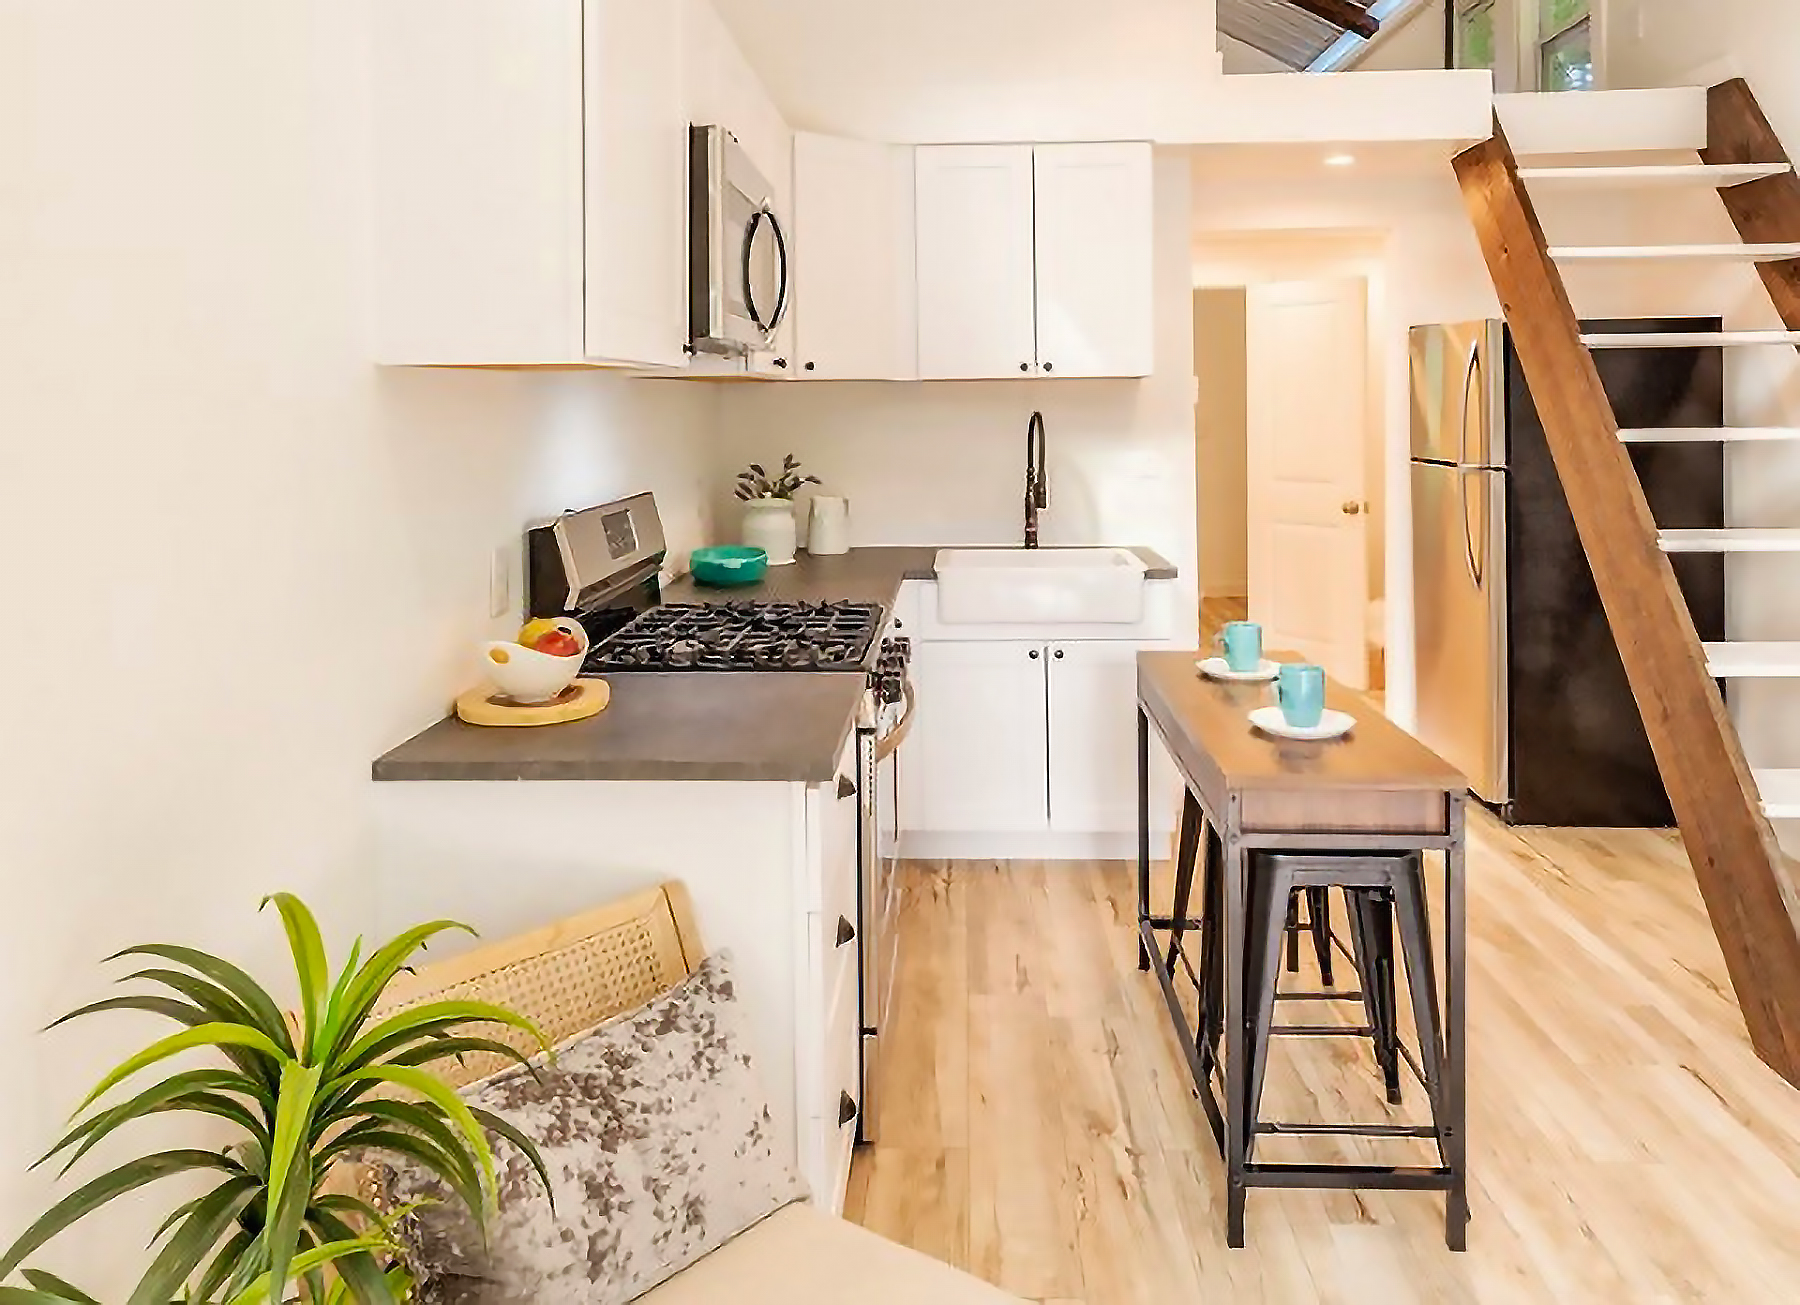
[[784, 295]]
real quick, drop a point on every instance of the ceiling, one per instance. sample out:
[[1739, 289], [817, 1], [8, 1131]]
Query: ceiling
[[1279, 29]]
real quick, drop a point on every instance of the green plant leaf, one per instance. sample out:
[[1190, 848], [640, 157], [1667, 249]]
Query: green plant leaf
[[287, 1216], [161, 1097], [237, 1250], [429, 1053], [422, 1119], [335, 1004], [265, 1014], [293, 1120], [414, 1022], [258, 1292], [205, 1226], [379, 971], [203, 1035], [454, 1168], [57, 1287], [310, 963], [436, 1091], [168, 1007], [109, 1186], [358, 1275], [213, 1005], [495, 1124], [32, 1296]]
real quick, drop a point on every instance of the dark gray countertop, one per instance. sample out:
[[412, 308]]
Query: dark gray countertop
[[749, 727]]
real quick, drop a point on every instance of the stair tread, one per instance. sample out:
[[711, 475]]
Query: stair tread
[[1717, 176], [1689, 339], [1735, 539], [1780, 791], [1730, 252], [1752, 659], [1707, 434]]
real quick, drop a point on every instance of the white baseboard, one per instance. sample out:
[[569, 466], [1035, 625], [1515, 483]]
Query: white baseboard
[[1029, 845]]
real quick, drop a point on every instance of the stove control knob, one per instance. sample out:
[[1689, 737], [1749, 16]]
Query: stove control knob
[[901, 648], [891, 688]]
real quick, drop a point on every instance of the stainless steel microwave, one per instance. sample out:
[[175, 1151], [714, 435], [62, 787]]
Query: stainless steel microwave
[[740, 263]]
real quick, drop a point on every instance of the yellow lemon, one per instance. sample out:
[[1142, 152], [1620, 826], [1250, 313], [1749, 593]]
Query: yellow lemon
[[535, 630]]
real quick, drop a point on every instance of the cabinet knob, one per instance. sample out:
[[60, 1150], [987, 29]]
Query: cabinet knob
[[846, 1108], [1049, 368], [1024, 367], [781, 363], [1353, 509], [812, 366], [846, 787], [1060, 654], [1033, 654], [846, 933]]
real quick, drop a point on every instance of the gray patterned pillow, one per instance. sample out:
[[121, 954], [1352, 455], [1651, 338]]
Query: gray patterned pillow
[[660, 1149]]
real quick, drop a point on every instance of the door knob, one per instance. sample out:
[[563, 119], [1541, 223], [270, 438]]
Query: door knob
[[1353, 509]]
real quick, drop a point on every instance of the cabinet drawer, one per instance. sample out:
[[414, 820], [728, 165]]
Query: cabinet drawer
[[838, 1101]]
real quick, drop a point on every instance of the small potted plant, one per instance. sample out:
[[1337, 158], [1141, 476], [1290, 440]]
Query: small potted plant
[[769, 508], [340, 1081]]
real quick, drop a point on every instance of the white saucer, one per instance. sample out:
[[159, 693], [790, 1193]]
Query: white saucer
[[1333, 725], [1217, 668]]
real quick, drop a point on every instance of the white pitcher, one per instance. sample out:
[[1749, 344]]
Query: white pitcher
[[829, 532]]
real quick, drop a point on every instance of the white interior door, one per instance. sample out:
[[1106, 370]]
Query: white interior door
[[1308, 508], [977, 274], [1095, 309]]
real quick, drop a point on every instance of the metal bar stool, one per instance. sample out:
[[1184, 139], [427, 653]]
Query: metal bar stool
[[1384, 892]]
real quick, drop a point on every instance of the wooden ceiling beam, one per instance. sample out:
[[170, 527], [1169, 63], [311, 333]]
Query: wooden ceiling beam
[[1341, 13]]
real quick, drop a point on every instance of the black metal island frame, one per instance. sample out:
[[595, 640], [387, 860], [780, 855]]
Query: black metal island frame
[[1358, 813]]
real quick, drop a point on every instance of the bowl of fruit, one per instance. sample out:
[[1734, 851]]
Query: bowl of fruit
[[541, 664]]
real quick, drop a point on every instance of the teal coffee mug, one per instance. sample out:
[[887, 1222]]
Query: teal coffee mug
[[1300, 692], [1241, 642]]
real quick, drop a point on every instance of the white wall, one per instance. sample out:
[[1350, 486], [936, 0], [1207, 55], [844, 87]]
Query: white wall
[[240, 561], [944, 463], [1240, 59], [1675, 42], [1221, 439]]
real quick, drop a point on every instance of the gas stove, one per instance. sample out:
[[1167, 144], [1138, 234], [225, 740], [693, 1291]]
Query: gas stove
[[742, 637]]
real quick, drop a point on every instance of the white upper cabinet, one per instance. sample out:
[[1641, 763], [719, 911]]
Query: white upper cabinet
[[1035, 261], [977, 276], [1094, 247], [855, 304]]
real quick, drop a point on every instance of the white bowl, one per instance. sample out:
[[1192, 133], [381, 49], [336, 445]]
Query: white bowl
[[528, 676]]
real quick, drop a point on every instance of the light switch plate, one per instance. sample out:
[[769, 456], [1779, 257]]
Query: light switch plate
[[500, 596]]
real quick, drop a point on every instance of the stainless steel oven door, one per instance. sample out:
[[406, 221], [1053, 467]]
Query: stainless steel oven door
[[880, 898]]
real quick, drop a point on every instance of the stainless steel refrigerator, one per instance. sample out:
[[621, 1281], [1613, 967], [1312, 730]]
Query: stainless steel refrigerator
[[1520, 683]]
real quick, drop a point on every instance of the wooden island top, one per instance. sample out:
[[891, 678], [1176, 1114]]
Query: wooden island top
[[1377, 779]]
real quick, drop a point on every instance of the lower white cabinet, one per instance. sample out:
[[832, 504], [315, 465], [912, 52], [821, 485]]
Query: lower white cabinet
[[1028, 748], [1093, 736], [980, 750]]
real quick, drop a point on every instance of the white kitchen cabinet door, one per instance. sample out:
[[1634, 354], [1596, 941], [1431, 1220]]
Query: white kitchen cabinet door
[[1095, 310], [636, 210], [1093, 742], [976, 272], [977, 759], [855, 311]]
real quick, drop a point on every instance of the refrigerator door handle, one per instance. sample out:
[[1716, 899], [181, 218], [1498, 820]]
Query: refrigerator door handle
[[1469, 374]]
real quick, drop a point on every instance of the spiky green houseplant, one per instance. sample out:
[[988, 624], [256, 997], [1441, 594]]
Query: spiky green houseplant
[[298, 1100]]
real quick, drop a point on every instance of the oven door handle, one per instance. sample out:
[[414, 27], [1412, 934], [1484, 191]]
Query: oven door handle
[[890, 742]]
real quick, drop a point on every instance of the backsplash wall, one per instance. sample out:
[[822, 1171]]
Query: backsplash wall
[[944, 463]]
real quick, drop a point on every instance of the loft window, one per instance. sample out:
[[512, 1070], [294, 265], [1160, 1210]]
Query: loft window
[[1475, 34], [1565, 45]]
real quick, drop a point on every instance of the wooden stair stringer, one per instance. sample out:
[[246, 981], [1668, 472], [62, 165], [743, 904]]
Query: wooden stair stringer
[[1749, 893], [1764, 211]]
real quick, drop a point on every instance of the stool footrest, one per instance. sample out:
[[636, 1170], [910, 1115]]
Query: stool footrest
[[1349, 1130], [1388, 1177], [1352, 994], [1322, 1031]]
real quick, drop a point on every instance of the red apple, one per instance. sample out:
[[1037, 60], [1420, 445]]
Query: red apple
[[558, 643]]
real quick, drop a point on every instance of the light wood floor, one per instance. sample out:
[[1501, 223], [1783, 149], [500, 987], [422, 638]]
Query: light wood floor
[[1626, 1146]]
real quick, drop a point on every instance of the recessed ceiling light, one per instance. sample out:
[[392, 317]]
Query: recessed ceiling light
[[1340, 161]]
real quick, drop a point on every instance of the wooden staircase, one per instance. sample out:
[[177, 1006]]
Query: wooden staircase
[[1723, 806]]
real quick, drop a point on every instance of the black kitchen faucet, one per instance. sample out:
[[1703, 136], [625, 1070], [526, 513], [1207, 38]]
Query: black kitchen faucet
[[1037, 477]]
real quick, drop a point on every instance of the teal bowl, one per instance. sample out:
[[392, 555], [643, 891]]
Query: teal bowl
[[729, 565]]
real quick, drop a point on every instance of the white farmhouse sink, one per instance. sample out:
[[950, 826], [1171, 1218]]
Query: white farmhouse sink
[[1017, 586]]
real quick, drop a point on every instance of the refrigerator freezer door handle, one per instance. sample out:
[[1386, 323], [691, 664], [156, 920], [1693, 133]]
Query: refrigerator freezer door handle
[[1469, 374]]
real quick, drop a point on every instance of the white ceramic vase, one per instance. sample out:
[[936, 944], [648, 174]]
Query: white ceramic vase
[[769, 525]]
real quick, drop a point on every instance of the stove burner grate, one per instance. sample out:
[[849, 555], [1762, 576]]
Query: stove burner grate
[[742, 637]]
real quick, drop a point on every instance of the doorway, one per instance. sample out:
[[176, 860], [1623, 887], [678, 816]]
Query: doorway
[[1290, 462]]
